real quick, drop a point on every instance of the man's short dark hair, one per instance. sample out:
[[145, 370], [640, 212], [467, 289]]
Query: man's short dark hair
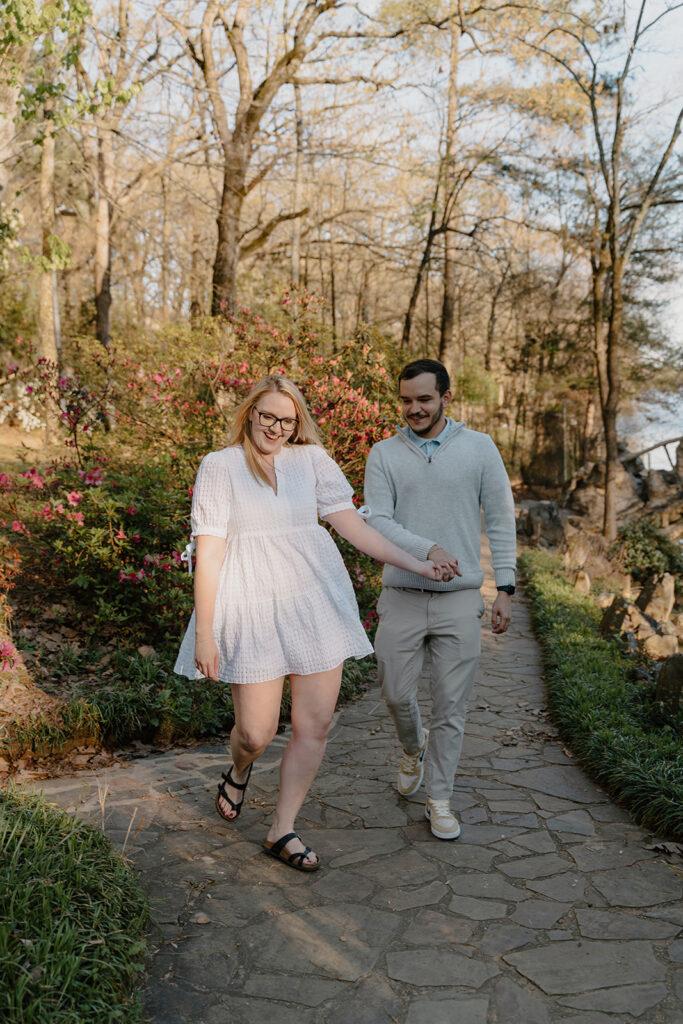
[[414, 369]]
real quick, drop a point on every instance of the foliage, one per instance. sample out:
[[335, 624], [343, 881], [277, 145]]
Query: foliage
[[610, 720], [72, 920], [103, 527], [644, 550]]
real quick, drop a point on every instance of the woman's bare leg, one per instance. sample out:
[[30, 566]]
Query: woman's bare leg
[[257, 713], [314, 699]]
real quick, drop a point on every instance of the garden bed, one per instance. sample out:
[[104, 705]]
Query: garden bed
[[603, 706]]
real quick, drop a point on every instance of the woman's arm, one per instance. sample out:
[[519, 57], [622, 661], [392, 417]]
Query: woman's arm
[[210, 551], [351, 527]]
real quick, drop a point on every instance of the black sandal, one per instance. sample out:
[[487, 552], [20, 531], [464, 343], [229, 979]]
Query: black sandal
[[294, 860], [222, 793]]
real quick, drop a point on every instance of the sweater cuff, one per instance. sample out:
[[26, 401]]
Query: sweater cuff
[[505, 577]]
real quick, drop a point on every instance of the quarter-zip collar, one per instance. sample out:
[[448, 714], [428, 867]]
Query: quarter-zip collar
[[457, 427]]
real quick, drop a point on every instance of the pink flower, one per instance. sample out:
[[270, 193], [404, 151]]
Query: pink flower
[[120, 535], [132, 510], [74, 498], [7, 656], [19, 527], [135, 538], [77, 517]]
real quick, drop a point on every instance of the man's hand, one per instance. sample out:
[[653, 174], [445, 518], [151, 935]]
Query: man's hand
[[445, 562], [501, 613]]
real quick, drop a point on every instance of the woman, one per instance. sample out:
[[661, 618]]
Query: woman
[[272, 595]]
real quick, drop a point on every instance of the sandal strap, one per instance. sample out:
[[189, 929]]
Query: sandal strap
[[301, 856], [223, 793], [279, 846], [227, 777]]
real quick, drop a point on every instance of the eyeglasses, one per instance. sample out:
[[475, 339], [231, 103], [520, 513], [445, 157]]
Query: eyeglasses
[[266, 419]]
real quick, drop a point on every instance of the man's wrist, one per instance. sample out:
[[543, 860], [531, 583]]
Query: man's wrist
[[507, 589]]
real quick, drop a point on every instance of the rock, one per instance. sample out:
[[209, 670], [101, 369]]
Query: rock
[[658, 597], [146, 651], [582, 582], [669, 688], [661, 646], [587, 551], [661, 484], [604, 600], [677, 623], [588, 502], [541, 522], [613, 617]]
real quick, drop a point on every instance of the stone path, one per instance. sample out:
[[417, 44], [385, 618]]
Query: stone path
[[550, 908]]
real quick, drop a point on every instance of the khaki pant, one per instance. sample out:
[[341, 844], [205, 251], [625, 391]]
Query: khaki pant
[[449, 624]]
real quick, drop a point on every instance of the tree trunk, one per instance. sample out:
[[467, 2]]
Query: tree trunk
[[48, 312], [298, 184], [105, 177], [611, 405], [421, 270], [448, 307], [17, 59], [223, 288], [195, 299]]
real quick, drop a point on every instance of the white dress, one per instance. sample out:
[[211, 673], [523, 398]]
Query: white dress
[[285, 602]]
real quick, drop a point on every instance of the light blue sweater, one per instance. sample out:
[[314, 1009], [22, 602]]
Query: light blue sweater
[[418, 501]]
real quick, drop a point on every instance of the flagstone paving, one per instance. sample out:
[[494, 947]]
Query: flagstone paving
[[550, 908]]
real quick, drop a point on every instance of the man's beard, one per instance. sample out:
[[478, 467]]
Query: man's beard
[[420, 430]]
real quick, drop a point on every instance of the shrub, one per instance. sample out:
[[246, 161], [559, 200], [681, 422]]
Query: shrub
[[643, 550]]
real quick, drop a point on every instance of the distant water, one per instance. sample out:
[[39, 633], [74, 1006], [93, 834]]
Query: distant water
[[655, 418]]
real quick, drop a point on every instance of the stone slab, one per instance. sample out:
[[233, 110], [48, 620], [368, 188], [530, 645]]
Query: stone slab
[[516, 1004], [632, 999], [486, 886], [540, 913], [435, 928], [639, 886], [535, 867], [447, 1011], [500, 937], [602, 924], [477, 910], [438, 967], [343, 940], [587, 965], [567, 783]]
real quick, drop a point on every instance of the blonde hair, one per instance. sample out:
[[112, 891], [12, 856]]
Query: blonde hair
[[305, 431]]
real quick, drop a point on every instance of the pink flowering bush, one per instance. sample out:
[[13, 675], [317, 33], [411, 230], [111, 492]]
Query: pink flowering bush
[[108, 521]]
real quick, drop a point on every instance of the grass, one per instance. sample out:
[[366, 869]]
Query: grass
[[72, 920], [609, 719]]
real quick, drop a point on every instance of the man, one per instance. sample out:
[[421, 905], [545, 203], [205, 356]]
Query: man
[[425, 487]]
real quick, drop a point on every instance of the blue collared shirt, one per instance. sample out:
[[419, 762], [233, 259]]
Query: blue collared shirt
[[430, 444]]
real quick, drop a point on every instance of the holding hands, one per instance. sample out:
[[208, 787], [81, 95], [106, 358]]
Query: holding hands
[[444, 562]]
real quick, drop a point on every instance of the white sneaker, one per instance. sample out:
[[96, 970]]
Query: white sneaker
[[443, 822], [411, 769]]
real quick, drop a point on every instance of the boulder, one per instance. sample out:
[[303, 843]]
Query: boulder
[[587, 551], [604, 600], [614, 616], [541, 522], [623, 617], [661, 645], [662, 484], [582, 582], [658, 596], [587, 491], [669, 687]]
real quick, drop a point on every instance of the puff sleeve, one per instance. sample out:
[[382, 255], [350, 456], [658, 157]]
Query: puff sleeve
[[211, 498], [332, 490]]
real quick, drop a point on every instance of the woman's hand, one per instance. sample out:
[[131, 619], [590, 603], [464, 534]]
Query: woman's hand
[[431, 571], [206, 657]]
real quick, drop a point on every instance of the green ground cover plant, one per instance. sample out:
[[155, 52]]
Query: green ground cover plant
[[72, 920], [606, 713]]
